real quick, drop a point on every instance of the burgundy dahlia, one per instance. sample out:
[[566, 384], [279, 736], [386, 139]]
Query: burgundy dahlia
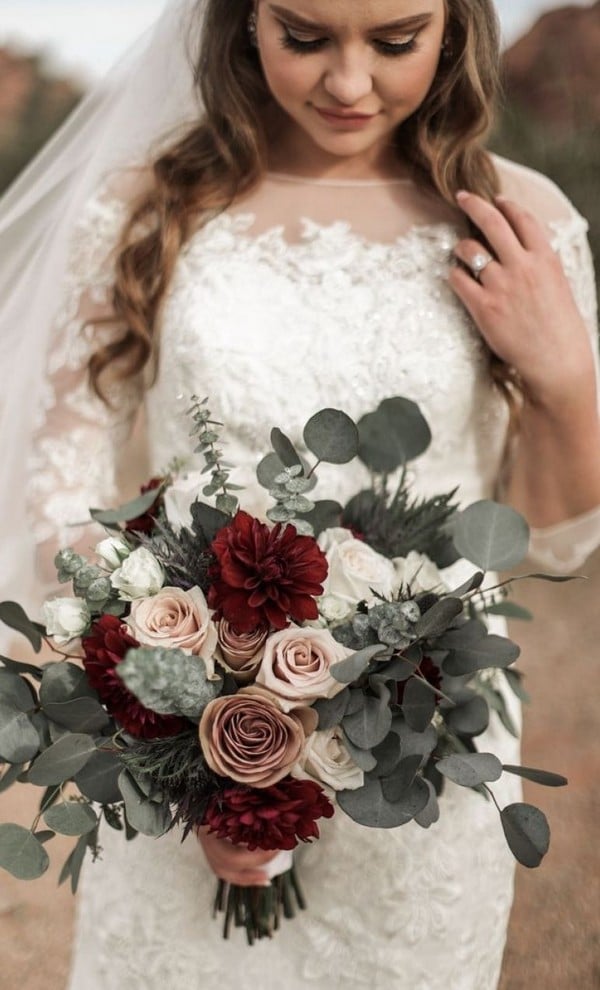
[[104, 650], [145, 522], [264, 575], [270, 818]]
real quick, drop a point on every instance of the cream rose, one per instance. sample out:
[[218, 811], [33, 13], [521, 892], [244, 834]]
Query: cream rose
[[66, 618], [174, 618], [327, 760], [296, 666], [354, 568], [113, 551], [247, 737], [139, 576], [240, 653], [419, 572], [179, 496]]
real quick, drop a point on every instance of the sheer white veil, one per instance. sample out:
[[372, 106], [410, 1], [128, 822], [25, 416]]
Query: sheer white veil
[[143, 100]]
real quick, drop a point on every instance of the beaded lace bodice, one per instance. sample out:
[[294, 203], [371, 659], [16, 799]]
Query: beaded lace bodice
[[274, 321]]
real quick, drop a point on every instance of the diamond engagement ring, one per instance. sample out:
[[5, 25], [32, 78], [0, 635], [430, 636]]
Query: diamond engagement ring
[[479, 263]]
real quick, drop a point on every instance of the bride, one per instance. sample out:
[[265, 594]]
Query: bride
[[301, 215]]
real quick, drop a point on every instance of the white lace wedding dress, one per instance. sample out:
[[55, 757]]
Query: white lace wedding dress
[[304, 295]]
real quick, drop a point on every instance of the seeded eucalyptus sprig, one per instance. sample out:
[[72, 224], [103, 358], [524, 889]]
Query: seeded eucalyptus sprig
[[206, 432]]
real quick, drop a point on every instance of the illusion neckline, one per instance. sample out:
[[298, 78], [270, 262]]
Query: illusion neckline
[[312, 181]]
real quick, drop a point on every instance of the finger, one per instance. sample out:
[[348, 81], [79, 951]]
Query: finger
[[468, 251], [468, 290], [494, 226], [531, 233]]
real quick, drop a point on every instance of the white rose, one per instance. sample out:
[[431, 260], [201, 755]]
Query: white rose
[[334, 609], [326, 759], [179, 496], [176, 619], [296, 666], [66, 618], [419, 572], [113, 551], [139, 576], [354, 568]]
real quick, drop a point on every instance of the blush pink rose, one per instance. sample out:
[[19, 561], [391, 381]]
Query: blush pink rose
[[179, 619], [240, 653], [247, 737], [296, 666]]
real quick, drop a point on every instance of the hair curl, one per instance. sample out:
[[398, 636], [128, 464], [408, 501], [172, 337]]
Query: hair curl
[[225, 154]]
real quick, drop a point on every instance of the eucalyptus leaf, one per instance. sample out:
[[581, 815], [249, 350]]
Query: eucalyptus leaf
[[15, 691], [21, 854], [387, 754], [98, 780], [418, 704], [168, 681], [362, 757], [510, 610], [411, 801], [71, 818], [368, 806], [515, 682], [332, 436], [19, 741], [269, 468], [350, 669], [472, 584], [73, 864], [401, 780], [130, 510], [64, 681], [143, 814], [393, 435], [470, 769], [493, 651], [18, 667], [431, 812], [15, 617], [397, 670], [207, 521], [527, 833], [470, 718], [325, 515], [284, 448], [543, 777], [439, 617], [44, 835], [413, 743], [332, 710], [492, 536], [62, 760], [369, 726], [9, 777], [78, 715]]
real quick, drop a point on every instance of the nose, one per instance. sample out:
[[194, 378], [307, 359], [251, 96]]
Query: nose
[[348, 79]]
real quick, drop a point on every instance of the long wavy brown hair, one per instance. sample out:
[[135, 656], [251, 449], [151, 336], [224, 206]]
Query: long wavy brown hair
[[224, 155]]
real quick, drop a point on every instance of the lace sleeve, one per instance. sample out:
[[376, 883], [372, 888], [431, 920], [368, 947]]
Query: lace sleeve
[[73, 462], [565, 546]]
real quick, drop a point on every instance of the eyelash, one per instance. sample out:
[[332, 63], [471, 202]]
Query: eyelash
[[306, 47]]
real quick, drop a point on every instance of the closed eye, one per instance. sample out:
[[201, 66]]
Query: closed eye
[[305, 46]]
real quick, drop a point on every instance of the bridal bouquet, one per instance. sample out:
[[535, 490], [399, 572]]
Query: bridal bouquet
[[222, 672]]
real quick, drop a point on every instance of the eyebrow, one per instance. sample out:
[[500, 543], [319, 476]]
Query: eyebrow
[[404, 22]]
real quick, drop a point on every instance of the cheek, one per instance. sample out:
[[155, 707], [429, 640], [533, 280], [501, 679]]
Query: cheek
[[290, 78], [407, 86]]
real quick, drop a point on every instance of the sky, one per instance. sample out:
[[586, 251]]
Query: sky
[[85, 37]]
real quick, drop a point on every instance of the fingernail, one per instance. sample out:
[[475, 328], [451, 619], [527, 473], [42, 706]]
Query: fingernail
[[501, 199], [461, 195]]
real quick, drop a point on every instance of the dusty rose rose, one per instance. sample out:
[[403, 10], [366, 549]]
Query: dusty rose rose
[[178, 619], [296, 666], [247, 737], [240, 653]]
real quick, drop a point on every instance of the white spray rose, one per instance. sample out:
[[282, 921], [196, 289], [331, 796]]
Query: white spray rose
[[66, 618], [419, 572], [354, 568], [113, 551], [139, 576], [335, 609], [326, 759]]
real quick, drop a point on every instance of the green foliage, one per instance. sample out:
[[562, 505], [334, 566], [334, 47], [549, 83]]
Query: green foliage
[[206, 432], [168, 681]]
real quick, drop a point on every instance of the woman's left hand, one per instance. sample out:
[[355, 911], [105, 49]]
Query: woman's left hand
[[522, 301]]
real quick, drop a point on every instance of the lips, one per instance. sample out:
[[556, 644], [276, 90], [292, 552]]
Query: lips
[[344, 115]]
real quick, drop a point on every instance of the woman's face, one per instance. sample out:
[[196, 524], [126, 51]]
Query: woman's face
[[327, 62]]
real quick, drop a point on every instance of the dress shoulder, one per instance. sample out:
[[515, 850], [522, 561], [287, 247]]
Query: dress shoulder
[[539, 194]]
